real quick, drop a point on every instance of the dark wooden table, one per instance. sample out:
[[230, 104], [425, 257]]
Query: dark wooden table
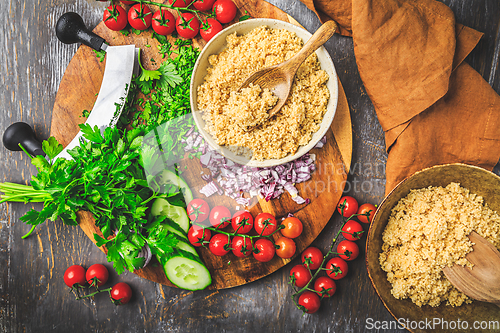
[[33, 296]]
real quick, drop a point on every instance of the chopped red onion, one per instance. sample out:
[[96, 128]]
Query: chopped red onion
[[146, 254], [232, 179], [209, 189]]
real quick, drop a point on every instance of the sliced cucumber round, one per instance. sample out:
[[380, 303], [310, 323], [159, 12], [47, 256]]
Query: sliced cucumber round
[[181, 245], [168, 177], [175, 213], [187, 271]]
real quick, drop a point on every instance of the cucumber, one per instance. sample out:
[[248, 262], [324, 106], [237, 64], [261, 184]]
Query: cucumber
[[175, 213], [182, 242], [182, 245], [185, 270], [170, 178]]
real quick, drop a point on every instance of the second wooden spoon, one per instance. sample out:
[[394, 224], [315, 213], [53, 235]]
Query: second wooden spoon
[[482, 282], [279, 78]]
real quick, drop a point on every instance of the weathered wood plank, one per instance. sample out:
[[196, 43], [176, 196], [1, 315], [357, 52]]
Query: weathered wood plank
[[33, 297]]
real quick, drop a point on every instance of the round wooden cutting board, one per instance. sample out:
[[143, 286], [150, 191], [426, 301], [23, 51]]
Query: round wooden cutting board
[[78, 91]]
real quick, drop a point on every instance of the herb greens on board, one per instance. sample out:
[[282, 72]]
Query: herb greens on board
[[106, 175]]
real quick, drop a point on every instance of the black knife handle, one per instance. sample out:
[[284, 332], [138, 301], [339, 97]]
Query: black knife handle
[[22, 133], [70, 29]]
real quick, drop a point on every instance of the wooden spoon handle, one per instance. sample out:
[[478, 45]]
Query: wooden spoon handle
[[319, 38]]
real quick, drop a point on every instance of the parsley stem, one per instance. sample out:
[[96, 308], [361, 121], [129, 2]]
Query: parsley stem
[[29, 232]]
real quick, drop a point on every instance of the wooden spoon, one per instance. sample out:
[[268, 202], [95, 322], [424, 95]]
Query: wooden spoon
[[279, 78], [482, 282]]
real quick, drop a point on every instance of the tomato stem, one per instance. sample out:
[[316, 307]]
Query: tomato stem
[[330, 252]]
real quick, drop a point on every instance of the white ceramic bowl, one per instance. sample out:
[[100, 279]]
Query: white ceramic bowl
[[217, 44]]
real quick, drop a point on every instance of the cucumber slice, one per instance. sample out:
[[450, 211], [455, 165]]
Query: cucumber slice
[[169, 177], [182, 245], [186, 271], [175, 213]]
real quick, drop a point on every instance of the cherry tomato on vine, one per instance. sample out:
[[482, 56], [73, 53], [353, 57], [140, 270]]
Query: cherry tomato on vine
[[219, 244], [265, 250], [203, 5], [315, 257], [265, 224], [163, 22], [293, 227], [348, 250], [242, 222], [286, 247], [97, 274], [242, 246], [210, 28], [179, 3], [369, 209], [349, 204], [302, 275], [187, 25], [220, 217], [324, 283], [198, 235], [198, 210], [336, 268], [121, 293], [139, 16], [225, 10], [310, 301], [74, 276], [115, 18], [352, 230]]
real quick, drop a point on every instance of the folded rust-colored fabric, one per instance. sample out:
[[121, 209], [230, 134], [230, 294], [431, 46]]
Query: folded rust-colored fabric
[[433, 107]]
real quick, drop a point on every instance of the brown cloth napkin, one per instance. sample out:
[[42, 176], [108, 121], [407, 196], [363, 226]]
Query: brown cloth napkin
[[433, 107]]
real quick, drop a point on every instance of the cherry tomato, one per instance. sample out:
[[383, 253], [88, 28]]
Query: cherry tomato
[[225, 10], [220, 217], [336, 268], [203, 5], [315, 257], [352, 230], [302, 275], [139, 16], [242, 222], [128, 2], [210, 28], [324, 283], [286, 247], [293, 227], [242, 246], [121, 293], [349, 204], [115, 18], [97, 274], [187, 25], [310, 301], [198, 210], [349, 250], [198, 235], [265, 250], [74, 276], [163, 22], [219, 244], [179, 3], [369, 209], [265, 224]]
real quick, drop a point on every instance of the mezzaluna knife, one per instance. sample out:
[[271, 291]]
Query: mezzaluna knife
[[121, 64]]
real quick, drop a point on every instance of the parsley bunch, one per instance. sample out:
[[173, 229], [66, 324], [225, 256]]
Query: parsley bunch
[[106, 175]]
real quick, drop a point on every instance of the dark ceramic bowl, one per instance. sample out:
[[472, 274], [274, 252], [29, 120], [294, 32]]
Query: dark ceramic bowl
[[414, 318]]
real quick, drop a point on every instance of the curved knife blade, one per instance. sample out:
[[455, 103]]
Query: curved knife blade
[[121, 63]]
